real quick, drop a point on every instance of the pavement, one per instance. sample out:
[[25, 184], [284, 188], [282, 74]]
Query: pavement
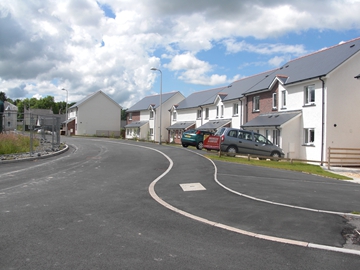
[[353, 173]]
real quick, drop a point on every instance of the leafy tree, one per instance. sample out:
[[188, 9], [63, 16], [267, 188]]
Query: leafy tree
[[123, 114], [2, 96]]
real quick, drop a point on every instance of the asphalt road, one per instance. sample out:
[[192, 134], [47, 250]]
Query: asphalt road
[[91, 208]]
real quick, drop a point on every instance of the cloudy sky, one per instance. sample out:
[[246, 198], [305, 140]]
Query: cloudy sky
[[110, 45]]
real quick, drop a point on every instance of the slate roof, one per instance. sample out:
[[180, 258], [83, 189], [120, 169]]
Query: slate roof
[[136, 124], [182, 125], [257, 82], [314, 65], [272, 119], [214, 124], [200, 98], [319, 63], [77, 104], [153, 100]]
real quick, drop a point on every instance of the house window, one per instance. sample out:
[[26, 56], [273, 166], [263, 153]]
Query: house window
[[151, 114], [199, 114], [274, 100], [217, 112], [283, 99], [151, 131], [130, 116], [267, 134], [174, 116], [309, 136], [310, 94], [127, 131], [256, 103], [235, 109], [222, 110], [9, 124], [207, 113]]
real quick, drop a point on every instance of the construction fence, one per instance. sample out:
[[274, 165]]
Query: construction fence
[[45, 128]]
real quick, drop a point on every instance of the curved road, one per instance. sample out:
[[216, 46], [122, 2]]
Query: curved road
[[90, 208]]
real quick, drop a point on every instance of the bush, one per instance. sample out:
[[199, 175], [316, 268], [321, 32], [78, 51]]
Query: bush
[[15, 143]]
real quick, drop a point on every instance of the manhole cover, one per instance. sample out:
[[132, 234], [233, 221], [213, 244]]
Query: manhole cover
[[192, 187]]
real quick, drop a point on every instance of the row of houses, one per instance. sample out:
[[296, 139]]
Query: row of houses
[[307, 105]]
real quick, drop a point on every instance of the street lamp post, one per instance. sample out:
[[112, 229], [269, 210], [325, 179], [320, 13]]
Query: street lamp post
[[66, 110], [160, 100]]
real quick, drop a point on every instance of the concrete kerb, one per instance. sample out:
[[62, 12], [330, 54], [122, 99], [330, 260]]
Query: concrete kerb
[[36, 157]]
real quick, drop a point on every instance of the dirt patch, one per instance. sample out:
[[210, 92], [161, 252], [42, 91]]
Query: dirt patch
[[352, 233]]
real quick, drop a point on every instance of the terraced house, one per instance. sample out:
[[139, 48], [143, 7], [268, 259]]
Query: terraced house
[[307, 105], [143, 118]]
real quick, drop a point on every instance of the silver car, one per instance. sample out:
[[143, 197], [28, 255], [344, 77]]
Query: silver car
[[247, 142]]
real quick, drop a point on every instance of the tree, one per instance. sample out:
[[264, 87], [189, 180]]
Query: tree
[[2, 96], [123, 114]]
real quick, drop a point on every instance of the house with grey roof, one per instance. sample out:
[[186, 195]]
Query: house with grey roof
[[96, 114], [305, 106], [144, 117], [310, 103], [9, 116], [192, 112]]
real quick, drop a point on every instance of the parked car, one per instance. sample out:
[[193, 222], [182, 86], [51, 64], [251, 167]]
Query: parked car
[[240, 141], [194, 137]]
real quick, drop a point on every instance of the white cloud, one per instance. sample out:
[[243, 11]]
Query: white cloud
[[60, 41], [232, 46]]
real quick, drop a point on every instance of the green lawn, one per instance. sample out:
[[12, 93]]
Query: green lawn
[[284, 165]]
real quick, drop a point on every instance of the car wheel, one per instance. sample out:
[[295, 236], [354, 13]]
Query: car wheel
[[200, 145], [275, 155], [231, 149], [184, 145]]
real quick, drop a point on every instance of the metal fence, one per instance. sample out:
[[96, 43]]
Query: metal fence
[[45, 128]]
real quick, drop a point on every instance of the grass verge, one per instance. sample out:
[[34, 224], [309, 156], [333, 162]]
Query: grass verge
[[15, 143], [284, 165]]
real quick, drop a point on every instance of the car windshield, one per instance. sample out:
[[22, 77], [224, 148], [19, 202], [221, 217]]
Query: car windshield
[[219, 131]]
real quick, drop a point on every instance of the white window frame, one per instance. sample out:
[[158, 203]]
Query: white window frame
[[309, 136], [275, 137], [256, 103], [274, 100], [199, 114], [130, 116], [174, 116], [222, 111], [151, 131], [207, 113], [235, 109], [283, 98], [217, 111], [151, 115], [310, 94]]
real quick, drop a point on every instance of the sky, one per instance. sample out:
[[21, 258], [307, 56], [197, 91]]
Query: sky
[[111, 45]]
